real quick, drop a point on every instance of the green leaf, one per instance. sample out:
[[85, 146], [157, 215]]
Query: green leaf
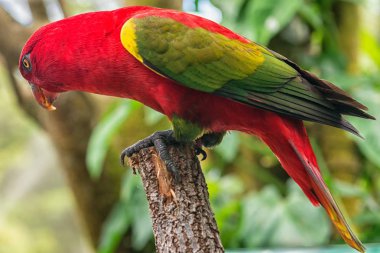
[[117, 222], [258, 20], [224, 192], [370, 46], [312, 14], [141, 224], [196, 4], [270, 220], [267, 18], [300, 223], [349, 190], [229, 147], [230, 9], [102, 135], [369, 129], [257, 146], [130, 212], [114, 229], [151, 116], [259, 216]]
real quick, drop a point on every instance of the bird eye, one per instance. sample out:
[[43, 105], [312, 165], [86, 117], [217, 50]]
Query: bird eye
[[26, 63]]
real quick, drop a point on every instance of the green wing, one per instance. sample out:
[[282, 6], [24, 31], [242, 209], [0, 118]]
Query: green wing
[[245, 72]]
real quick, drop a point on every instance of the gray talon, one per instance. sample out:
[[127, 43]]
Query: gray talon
[[160, 141]]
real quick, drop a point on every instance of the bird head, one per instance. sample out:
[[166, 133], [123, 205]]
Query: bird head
[[71, 54], [81, 53], [40, 65]]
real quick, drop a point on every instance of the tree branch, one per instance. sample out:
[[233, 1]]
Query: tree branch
[[181, 213]]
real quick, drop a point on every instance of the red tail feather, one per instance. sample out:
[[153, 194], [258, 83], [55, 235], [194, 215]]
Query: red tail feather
[[293, 149]]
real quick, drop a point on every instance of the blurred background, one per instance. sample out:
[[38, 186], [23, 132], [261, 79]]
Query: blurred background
[[62, 188]]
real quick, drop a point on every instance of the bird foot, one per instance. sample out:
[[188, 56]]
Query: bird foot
[[160, 140], [199, 151]]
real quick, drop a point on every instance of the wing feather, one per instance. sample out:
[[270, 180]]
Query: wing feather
[[245, 72]]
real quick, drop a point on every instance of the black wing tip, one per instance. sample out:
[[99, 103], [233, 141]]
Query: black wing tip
[[369, 116], [327, 88], [356, 113], [345, 125], [339, 98], [365, 115]]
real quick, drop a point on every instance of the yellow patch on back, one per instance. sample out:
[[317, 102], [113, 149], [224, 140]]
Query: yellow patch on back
[[128, 38]]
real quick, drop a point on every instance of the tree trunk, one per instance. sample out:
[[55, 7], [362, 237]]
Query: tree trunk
[[181, 213]]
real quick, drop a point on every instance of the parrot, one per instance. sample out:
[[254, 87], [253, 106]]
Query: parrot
[[205, 78]]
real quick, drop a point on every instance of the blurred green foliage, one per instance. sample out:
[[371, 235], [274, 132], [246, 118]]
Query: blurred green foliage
[[132, 204], [252, 213], [106, 128], [245, 17], [33, 214], [254, 204]]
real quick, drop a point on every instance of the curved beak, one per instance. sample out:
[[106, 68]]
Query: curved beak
[[44, 98]]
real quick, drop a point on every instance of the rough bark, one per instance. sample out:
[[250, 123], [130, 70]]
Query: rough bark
[[181, 213]]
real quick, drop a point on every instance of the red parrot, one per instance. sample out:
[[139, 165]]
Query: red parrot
[[204, 77]]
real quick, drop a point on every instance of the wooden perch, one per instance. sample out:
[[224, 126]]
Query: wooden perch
[[181, 213]]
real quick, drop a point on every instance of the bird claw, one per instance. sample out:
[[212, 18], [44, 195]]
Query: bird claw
[[160, 141], [135, 148], [200, 151]]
